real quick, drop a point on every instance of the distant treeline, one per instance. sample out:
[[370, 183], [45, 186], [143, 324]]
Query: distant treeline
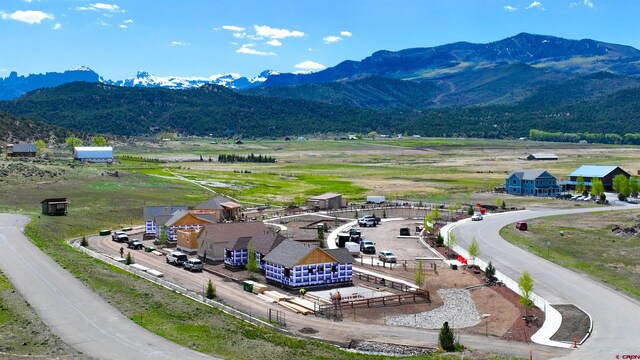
[[231, 158], [140, 159], [539, 135]]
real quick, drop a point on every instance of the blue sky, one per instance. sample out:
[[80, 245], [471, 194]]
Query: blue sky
[[207, 37]]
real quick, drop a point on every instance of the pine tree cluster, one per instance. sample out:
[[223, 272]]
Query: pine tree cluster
[[231, 158]]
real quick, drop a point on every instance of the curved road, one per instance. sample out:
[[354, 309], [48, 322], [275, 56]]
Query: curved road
[[616, 317], [72, 311]]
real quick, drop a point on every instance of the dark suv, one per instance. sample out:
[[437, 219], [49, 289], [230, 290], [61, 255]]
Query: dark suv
[[135, 244]]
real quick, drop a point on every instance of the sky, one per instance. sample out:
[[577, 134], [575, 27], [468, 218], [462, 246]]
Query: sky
[[202, 38]]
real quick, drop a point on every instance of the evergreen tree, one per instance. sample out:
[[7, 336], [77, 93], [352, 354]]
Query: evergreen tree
[[211, 290], [129, 259], [490, 272], [446, 339]]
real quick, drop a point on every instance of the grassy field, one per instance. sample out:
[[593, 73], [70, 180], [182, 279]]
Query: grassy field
[[588, 245], [442, 170]]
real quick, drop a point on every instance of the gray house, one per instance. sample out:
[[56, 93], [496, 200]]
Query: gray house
[[156, 216]]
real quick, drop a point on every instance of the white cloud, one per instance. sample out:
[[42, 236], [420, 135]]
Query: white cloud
[[535, 5], [346, 33], [129, 21], [179, 43], [587, 3], [274, 42], [27, 16], [246, 49], [253, 37], [273, 33], [100, 7], [239, 35], [123, 26], [331, 39], [233, 28], [510, 8], [57, 26], [310, 49], [310, 65], [102, 23]]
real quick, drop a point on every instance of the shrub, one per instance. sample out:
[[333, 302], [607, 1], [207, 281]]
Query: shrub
[[129, 259], [211, 290], [84, 242], [470, 211], [440, 239]]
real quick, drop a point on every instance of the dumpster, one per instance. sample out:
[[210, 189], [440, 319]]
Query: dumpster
[[483, 211], [247, 286], [149, 249], [105, 232]]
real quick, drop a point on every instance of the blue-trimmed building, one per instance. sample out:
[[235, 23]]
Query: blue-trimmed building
[[236, 253], [532, 183], [156, 216], [605, 173], [295, 264]]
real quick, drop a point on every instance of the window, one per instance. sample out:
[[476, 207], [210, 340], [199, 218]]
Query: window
[[287, 272], [334, 268], [514, 181]]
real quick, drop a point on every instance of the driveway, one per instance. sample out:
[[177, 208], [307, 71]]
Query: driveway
[[72, 311], [616, 317]]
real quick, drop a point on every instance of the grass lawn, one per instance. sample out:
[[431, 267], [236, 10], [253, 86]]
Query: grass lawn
[[588, 245]]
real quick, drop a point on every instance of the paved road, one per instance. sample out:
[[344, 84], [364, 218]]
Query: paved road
[[616, 317], [72, 311]]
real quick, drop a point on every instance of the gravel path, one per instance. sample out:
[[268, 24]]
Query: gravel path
[[458, 309]]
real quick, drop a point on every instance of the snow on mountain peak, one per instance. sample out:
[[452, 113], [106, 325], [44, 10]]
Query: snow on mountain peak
[[82, 68], [231, 80]]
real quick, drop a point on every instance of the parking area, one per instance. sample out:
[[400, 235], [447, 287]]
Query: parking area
[[385, 237]]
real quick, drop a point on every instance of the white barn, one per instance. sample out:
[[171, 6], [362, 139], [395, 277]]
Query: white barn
[[96, 154]]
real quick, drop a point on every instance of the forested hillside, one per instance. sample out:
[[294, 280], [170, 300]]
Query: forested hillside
[[17, 129], [98, 108]]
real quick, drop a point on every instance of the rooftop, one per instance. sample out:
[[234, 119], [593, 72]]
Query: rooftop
[[593, 170]]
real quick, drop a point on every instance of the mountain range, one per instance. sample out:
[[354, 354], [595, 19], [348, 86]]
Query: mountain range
[[498, 89]]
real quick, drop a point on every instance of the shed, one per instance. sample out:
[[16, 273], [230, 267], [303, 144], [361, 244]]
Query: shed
[[21, 150], [54, 206], [94, 154], [326, 201], [541, 156]]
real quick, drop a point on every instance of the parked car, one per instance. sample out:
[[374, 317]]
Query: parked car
[[387, 256], [376, 220], [564, 196], [476, 217], [134, 244], [120, 236], [364, 222], [575, 197], [521, 225], [176, 258], [193, 265], [367, 247]]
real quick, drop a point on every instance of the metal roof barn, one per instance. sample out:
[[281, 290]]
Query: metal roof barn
[[93, 153]]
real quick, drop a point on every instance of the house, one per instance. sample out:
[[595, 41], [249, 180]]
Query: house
[[54, 206], [224, 208], [187, 240], [21, 150], [188, 219], [532, 183], [236, 253], [293, 264], [326, 201], [541, 156], [605, 173], [94, 154], [214, 238], [156, 216]]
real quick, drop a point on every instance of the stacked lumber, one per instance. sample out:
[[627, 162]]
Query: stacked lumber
[[309, 305], [259, 288], [276, 295]]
